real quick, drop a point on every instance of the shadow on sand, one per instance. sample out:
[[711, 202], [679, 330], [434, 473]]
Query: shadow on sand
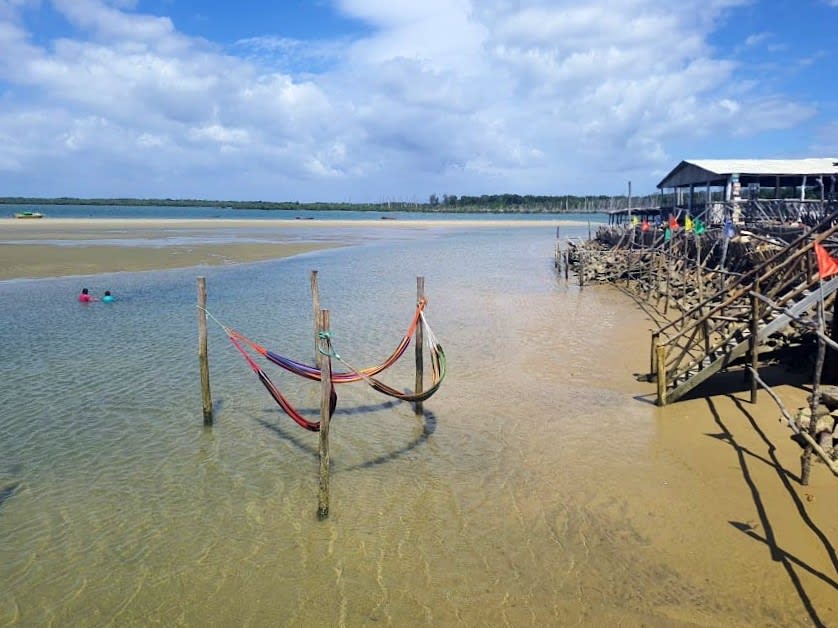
[[747, 457], [428, 428]]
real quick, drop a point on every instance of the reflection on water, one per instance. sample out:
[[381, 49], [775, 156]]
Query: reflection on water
[[501, 504]]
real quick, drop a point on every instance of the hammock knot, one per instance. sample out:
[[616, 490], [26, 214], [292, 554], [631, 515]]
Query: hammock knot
[[331, 353]]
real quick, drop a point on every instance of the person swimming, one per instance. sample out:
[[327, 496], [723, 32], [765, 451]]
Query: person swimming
[[85, 297], [108, 298]]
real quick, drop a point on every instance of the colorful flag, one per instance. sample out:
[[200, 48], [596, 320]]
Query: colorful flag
[[667, 235], [698, 226], [645, 225], [634, 221], [673, 222], [688, 223], [827, 265]]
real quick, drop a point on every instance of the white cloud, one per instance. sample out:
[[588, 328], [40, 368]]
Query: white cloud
[[533, 97], [756, 39]]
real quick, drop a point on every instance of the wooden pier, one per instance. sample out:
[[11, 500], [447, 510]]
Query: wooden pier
[[721, 296]]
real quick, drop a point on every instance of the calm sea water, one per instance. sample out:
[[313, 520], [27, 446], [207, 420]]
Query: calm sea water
[[123, 211], [117, 507]]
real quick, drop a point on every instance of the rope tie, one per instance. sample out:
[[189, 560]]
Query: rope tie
[[213, 319], [331, 353]]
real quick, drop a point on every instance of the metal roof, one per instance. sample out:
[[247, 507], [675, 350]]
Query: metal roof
[[765, 171]]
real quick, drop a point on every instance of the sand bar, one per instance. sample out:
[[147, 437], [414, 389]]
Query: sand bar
[[53, 247]]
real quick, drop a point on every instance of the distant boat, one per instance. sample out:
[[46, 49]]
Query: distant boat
[[29, 215]]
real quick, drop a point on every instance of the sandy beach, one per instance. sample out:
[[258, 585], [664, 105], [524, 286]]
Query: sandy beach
[[53, 247]]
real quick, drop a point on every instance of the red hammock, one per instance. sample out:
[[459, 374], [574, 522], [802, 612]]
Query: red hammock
[[313, 426]]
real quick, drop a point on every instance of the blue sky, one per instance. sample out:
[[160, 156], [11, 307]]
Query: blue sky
[[377, 100]]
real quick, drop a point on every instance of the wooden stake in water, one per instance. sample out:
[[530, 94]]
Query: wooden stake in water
[[420, 341], [325, 347], [203, 360], [315, 301]]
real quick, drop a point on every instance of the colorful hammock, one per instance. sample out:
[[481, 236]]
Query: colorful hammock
[[437, 360], [282, 402], [313, 373]]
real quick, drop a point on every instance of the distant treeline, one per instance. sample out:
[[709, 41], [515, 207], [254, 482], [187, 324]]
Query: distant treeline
[[491, 203]]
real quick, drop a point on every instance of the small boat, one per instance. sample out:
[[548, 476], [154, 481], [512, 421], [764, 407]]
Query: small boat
[[29, 215]]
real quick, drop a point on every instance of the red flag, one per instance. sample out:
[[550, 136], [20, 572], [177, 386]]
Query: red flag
[[645, 225], [827, 265], [673, 222]]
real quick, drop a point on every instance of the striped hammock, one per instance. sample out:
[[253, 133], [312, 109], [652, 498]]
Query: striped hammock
[[437, 361]]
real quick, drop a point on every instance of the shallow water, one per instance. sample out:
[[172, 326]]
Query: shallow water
[[504, 504]]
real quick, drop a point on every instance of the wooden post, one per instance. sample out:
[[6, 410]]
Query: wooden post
[[203, 359], [566, 264], [653, 357], [660, 350], [754, 343], [315, 302], [325, 406], [806, 457], [420, 341]]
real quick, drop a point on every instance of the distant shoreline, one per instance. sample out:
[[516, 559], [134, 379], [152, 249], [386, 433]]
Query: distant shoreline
[[542, 205]]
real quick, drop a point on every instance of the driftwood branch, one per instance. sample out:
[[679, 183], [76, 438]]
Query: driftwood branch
[[827, 459]]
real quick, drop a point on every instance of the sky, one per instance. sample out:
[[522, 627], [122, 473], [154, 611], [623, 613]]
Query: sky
[[390, 100]]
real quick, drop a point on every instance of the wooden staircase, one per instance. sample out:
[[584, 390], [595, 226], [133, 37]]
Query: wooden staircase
[[733, 322]]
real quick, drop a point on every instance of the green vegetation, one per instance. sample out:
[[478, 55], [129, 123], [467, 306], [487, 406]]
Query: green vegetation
[[493, 203]]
